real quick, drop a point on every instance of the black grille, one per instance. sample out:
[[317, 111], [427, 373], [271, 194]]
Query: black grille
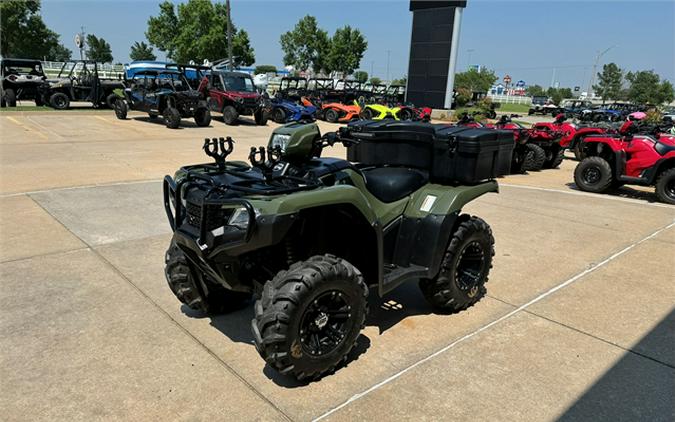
[[215, 215]]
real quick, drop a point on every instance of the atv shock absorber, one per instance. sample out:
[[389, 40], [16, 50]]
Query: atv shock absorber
[[290, 251]]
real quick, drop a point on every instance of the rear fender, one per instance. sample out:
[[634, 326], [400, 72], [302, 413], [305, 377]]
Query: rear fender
[[444, 200]]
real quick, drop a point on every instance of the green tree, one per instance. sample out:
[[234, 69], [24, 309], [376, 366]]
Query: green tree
[[647, 87], [375, 80], [475, 81], [346, 50], [566, 92], [535, 91], [98, 49], [400, 81], [264, 68], [24, 34], [361, 76], [142, 51], [609, 82], [197, 30], [305, 46], [555, 95]]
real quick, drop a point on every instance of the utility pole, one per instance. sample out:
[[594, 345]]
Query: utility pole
[[595, 69], [229, 36], [81, 43], [468, 60], [388, 55]]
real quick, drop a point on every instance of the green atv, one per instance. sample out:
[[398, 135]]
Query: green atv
[[309, 236]]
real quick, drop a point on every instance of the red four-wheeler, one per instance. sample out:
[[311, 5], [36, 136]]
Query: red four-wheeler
[[613, 160], [234, 94], [572, 134]]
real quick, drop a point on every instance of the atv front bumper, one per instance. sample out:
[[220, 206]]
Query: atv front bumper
[[215, 233]]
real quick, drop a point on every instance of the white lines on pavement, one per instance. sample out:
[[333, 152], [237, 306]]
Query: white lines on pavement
[[591, 195], [99, 185], [496, 321]]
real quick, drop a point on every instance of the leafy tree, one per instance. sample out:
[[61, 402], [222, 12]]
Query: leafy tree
[[264, 68], [346, 50], [375, 80], [59, 53], [535, 91], [162, 29], [566, 92], [361, 76], [555, 95], [305, 46], [647, 87], [197, 30], [609, 82], [475, 81], [24, 34], [463, 96], [401, 81], [98, 49], [142, 51]]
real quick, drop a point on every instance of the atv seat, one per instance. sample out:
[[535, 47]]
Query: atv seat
[[662, 148], [389, 184]]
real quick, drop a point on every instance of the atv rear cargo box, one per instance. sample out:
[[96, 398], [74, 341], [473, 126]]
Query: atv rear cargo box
[[451, 154]]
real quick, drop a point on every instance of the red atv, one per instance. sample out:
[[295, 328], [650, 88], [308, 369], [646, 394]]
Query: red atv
[[410, 112], [612, 160], [572, 135], [234, 94]]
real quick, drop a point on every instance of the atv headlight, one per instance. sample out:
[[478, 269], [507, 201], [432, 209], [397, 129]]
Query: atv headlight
[[280, 140], [239, 218]]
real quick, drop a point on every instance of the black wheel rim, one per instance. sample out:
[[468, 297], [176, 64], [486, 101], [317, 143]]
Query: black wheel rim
[[60, 102], [470, 268], [325, 323], [670, 189], [591, 175]]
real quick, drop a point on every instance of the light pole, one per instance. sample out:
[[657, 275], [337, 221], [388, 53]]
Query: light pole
[[388, 55], [229, 36], [595, 68], [468, 60]]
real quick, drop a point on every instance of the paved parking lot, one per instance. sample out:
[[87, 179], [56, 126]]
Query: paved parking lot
[[578, 324]]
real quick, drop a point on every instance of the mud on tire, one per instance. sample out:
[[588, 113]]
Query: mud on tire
[[309, 317], [465, 267], [198, 294]]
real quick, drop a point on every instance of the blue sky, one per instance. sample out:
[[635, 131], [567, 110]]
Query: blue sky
[[529, 40]]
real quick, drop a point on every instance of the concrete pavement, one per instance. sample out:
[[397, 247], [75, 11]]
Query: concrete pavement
[[577, 324]]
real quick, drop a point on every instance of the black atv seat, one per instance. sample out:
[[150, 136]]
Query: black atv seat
[[389, 184], [663, 148]]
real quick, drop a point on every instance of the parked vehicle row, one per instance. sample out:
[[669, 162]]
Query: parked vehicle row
[[77, 80]]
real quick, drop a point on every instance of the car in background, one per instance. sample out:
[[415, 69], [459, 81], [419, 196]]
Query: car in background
[[542, 104], [234, 94], [20, 79], [163, 92], [80, 80]]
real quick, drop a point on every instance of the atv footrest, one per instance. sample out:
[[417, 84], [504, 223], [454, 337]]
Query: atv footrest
[[395, 275]]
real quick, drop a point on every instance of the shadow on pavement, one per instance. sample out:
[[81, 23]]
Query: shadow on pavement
[[636, 387], [405, 301], [184, 123], [623, 192]]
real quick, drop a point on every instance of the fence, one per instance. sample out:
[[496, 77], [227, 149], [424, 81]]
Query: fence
[[105, 70], [510, 99]]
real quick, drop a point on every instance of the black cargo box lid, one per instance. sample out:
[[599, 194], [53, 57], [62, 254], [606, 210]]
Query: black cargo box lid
[[469, 140], [380, 130]]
